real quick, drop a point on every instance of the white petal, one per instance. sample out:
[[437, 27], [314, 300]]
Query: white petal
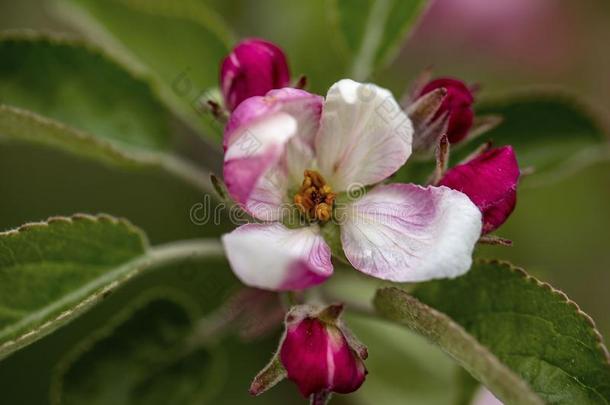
[[255, 139], [405, 232], [273, 257], [269, 199], [364, 135], [299, 156], [254, 158]]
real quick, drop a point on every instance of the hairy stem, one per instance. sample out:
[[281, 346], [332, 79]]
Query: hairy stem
[[320, 398]]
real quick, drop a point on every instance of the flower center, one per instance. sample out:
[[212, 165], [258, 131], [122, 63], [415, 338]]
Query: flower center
[[315, 198]]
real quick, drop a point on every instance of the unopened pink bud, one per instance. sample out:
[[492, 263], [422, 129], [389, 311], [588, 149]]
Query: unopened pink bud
[[318, 356], [458, 103], [252, 69]]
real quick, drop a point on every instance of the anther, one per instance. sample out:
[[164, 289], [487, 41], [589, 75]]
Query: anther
[[315, 198]]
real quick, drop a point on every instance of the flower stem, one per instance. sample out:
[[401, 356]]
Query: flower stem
[[320, 398], [290, 299]]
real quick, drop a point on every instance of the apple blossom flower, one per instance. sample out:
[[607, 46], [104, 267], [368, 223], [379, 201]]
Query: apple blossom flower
[[457, 103], [294, 149], [317, 352], [254, 67], [490, 180]]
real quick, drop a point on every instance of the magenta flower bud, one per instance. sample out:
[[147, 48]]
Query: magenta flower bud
[[317, 352], [490, 181], [318, 356], [252, 69], [457, 102]]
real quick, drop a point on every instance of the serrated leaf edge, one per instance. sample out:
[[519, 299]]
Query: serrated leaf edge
[[80, 217], [601, 347]]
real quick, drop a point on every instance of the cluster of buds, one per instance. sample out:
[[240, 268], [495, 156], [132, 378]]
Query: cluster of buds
[[318, 353], [443, 115]]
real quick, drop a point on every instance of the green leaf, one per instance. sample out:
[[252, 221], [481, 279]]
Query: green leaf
[[138, 357], [178, 44], [373, 30], [64, 93], [70, 82], [552, 132], [533, 329], [197, 283], [397, 305], [25, 125], [71, 264]]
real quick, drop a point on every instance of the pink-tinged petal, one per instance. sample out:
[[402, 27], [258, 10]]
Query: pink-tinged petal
[[317, 357], [405, 232], [267, 140], [490, 180], [257, 155], [247, 114], [364, 135], [252, 69], [273, 257], [348, 368], [457, 102], [305, 107], [268, 201]]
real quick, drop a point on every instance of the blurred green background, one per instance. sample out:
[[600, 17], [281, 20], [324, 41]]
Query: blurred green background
[[561, 231]]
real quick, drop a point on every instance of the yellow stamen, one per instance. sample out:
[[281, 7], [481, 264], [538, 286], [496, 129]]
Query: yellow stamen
[[315, 198], [323, 212]]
